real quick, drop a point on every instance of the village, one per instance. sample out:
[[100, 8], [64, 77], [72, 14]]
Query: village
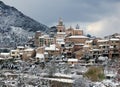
[[68, 58]]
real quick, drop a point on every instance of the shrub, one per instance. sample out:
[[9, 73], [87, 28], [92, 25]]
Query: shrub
[[95, 74]]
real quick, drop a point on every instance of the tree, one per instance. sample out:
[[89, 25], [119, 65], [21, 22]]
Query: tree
[[88, 35]]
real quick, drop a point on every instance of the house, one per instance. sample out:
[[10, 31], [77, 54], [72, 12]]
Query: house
[[46, 40], [77, 39], [14, 53], [72, 61], [68, 50], [40, 57], [114, 48], [79, 54], [28, 53], [37, 35], [20, 50], [40, 50], [4, 55], [104, 47], [52, 50], [78, 47], [95, 53]]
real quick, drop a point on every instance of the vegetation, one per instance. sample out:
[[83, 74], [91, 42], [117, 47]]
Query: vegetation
[[95, 74]]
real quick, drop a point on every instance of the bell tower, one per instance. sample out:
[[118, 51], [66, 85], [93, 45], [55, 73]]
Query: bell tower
[[60, 26]]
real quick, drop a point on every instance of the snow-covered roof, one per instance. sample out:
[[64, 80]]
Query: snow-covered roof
[[44, 36], [5, 54], [38, 31], [29, 49], [60, 39], [38, 55], [102, 58], [88, 41], [81, 44], [21, 53], [61, 80], [95, 50], [45, 52], [61, 42], [115, 39], [118, 36], [86, 46], [52, 48], [111, 74], [5, 58], [61, 33], [41, 37], [102, 40], [14, 50], [63, 75], [71, 60], [101, 45], [78, 36], [111, 47], [20, 47]]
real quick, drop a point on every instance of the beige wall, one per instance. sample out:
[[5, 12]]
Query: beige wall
[[72, 31], [14, 53], [37, 35], [51, 53], [76, 40], [27, 55], [78, 32], [40, 50]]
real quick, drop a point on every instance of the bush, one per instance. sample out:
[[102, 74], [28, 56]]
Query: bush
[[95, 74]]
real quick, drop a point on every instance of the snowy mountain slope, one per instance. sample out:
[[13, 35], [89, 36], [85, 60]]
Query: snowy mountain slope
[[10, 16], [15, 27]]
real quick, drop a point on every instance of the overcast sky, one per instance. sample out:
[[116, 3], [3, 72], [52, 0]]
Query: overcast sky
[[97, 17]]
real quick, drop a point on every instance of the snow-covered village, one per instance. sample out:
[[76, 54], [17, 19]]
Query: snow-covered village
[[58, 56]]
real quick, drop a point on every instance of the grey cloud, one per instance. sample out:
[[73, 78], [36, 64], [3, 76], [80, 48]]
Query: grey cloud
[[84, 11]]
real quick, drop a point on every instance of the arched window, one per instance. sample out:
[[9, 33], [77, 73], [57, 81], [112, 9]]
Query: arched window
[[60, 30]]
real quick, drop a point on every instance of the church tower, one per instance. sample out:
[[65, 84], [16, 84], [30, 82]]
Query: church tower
[[60, 26], [77, 26]]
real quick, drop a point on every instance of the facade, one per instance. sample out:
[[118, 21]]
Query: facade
[[40, 57], [52, 50], [27, 54], [60, 26], [77, 39], [104, 47], [14, 53], [71, 31], [45, 40], [114, 48], [37, 35]]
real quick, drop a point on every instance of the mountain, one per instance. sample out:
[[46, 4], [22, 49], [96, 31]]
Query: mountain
[[10, 16], [15, 27]]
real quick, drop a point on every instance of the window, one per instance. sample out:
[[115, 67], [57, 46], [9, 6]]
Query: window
[[41, 40], [60, 30], [62, 45], [13, 52]]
